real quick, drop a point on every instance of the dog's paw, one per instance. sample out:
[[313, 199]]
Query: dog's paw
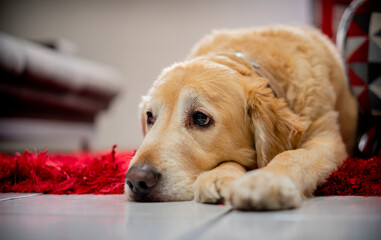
[[210, 188], [261, 190]]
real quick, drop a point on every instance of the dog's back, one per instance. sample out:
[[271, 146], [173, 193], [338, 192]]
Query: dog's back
[[294, 55]]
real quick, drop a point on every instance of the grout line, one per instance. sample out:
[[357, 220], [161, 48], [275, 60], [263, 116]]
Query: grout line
[[201, 229], [18, 197]]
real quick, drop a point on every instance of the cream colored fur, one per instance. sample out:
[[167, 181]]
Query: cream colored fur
[[262, 152]]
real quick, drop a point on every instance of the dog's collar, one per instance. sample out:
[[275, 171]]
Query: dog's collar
[[262, 72]]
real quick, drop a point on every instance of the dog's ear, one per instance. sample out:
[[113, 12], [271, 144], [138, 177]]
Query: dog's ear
[[275, 127]]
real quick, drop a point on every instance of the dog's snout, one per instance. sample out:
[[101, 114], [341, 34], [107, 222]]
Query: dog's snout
[[142, 179]]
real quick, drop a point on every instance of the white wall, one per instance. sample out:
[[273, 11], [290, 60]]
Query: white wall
[[139, 38]]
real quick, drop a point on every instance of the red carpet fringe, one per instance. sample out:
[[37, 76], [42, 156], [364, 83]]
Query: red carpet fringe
[[103, 173], [78, 173], [360, 177]]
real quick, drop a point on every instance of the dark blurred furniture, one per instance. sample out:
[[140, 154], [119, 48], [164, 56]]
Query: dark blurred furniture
[[49, 93]]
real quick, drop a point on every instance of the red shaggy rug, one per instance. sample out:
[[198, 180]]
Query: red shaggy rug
[[103, 173], [77, 173]]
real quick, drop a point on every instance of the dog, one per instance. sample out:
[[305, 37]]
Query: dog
[[256, 118]]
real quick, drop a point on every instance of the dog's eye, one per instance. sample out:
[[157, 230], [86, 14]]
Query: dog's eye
[[150, 118], [201, 119]]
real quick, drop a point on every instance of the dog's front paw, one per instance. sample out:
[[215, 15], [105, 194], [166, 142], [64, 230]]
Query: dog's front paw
[[210, 188], [261, 190]]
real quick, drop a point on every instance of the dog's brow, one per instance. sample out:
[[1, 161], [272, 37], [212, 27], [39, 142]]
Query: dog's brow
[[188, 93], [190, 102]]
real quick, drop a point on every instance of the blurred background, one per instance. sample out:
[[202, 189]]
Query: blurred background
[[108, 53]]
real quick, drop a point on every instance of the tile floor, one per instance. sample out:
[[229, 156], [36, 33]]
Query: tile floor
[[39, 217]]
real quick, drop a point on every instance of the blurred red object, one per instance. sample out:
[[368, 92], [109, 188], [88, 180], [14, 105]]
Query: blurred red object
[[327, 15]]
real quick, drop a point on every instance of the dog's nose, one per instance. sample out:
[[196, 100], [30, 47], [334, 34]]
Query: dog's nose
[[142, 179]]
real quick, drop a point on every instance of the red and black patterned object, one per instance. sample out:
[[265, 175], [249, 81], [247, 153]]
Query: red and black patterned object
[[362, 55]]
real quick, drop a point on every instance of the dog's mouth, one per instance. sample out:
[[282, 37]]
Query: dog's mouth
[[144, 198], [163, 192], [141, 197]]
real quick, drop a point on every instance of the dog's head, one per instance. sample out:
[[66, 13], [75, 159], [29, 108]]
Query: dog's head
[[203, 112]]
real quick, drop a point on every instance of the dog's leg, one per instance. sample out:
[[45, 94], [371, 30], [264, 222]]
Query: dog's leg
[[213, 186], [291, 175]]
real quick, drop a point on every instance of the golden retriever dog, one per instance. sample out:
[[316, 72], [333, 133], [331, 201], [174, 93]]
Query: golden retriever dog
[[256, 118]]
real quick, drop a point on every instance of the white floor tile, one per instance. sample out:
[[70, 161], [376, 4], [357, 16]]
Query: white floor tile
[[100, 217], [111, 217], [319, 218], [12, 196]]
